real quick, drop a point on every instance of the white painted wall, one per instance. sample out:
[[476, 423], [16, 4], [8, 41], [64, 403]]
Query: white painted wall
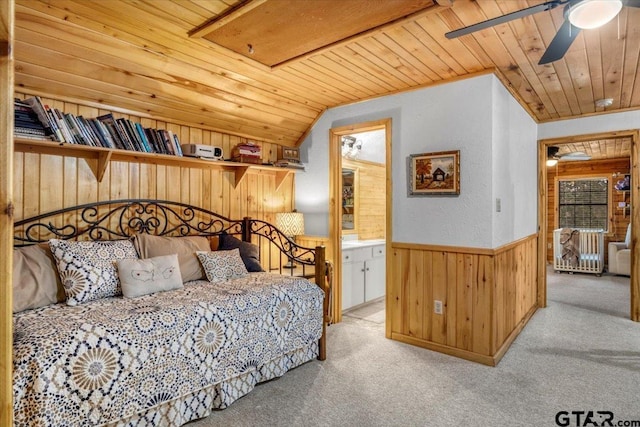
[[515, 169], [454, 116], [602, 123]]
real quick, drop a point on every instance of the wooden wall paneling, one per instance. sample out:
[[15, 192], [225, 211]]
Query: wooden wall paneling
[[500, 302], [487, 294], [467, 271], [415, 295], [439, 285], [427, 306], [7, 67], [483, 306], [451, 306], [395, 301]]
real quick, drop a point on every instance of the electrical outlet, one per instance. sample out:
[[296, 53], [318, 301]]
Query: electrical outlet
[[548, 245], [437, 307]]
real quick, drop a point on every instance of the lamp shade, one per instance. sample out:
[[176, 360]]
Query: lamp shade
[[290, 223]]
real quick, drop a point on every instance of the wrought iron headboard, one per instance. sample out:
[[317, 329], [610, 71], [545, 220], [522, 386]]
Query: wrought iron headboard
[[121, 219]]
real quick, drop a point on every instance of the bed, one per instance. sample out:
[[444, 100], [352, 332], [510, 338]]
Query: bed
[[162, 357]]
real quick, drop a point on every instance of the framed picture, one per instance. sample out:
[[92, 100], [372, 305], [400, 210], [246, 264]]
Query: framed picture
[[434, 173], [624, 184]]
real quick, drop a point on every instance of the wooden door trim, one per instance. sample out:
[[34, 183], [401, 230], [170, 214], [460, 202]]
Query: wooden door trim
[[335, 192], [634, 312]]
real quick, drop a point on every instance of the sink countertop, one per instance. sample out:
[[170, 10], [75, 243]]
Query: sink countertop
[[350, 244]]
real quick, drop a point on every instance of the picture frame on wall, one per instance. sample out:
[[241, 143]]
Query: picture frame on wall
[[435, 173]]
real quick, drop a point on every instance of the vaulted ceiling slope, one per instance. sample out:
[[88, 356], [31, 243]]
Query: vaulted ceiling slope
[[137, 55]]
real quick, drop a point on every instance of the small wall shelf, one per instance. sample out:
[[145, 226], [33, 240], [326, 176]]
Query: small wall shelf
[[103, 156], [627, 207]]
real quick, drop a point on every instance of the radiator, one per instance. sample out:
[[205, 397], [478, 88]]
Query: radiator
[[591, 252]]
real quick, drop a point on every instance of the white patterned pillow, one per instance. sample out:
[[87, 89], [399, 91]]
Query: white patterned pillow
[[140, 277], [222, 265], [88, 269]]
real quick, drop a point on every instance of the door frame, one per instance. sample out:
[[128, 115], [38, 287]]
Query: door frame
[[634, 311], [335, 196]]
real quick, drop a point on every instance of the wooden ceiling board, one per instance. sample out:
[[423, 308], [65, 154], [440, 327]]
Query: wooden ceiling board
[[132, 55], [276, 31]]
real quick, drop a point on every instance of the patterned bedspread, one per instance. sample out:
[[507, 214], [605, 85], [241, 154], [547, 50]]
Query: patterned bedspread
[[121, 360]]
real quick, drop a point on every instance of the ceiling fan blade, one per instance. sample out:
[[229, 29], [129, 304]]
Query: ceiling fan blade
[[504, 18], [560, 43], [632, 3]]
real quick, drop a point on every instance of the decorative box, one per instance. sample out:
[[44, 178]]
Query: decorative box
[[247, 159], [247, 153]]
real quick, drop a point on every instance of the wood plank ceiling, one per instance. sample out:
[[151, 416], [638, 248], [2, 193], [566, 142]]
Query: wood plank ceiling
[[137, 55]]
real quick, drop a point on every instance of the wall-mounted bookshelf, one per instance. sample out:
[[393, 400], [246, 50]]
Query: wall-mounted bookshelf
[[103, 156]]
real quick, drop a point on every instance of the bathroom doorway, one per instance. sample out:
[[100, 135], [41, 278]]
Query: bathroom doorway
[[359, 223]]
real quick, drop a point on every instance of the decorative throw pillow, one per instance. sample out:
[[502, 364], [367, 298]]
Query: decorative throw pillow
[[150, 246], [36, 282], [146, 276], [88, 270], [249, 252], [222, 265]]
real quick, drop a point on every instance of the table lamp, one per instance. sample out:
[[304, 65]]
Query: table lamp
[[291, 224]]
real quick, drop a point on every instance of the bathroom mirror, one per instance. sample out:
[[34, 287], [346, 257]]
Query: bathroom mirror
[[349, 201]]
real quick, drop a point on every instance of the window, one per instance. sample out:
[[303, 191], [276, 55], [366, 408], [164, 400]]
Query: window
[[583, 203]]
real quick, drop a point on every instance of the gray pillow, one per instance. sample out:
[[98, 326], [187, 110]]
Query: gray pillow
[[150, 246], [249, 252], [36, 282]]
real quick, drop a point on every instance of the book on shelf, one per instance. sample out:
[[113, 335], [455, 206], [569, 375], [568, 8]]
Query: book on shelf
[[62, 124], [176, 143], [34, 120], [38, 107], [289, 164]]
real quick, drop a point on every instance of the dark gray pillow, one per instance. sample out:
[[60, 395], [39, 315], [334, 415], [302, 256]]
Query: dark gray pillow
[[249, 252]]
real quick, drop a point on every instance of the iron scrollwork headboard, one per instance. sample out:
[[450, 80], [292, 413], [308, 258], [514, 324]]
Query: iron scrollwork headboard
[[121, 219]]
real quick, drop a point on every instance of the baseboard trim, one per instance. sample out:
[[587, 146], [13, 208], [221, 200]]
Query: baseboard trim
[[513, 335], [441, 348], [489, 360]]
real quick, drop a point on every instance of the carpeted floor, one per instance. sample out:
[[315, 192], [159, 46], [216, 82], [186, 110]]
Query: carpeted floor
[[582, 353]]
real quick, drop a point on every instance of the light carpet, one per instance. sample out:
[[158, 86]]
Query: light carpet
[[580, 353]]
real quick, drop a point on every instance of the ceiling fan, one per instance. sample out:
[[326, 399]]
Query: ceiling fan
[[553, 157], [578, 15]]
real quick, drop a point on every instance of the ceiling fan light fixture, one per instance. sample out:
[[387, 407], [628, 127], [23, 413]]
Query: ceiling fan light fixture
[[552, 162], [589, 14]]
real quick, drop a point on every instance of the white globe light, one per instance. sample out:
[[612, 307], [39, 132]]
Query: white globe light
[[590, 14]]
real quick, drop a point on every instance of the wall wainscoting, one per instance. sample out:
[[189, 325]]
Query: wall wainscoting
[[487, 296]]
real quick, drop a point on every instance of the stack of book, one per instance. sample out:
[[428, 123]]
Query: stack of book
[[26, 122], [103, 131]]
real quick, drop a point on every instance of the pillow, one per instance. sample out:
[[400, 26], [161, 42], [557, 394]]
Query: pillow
[[36, 282], [222, 265], [147, 276], [249, 252], [150, 246], [87, 269]]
